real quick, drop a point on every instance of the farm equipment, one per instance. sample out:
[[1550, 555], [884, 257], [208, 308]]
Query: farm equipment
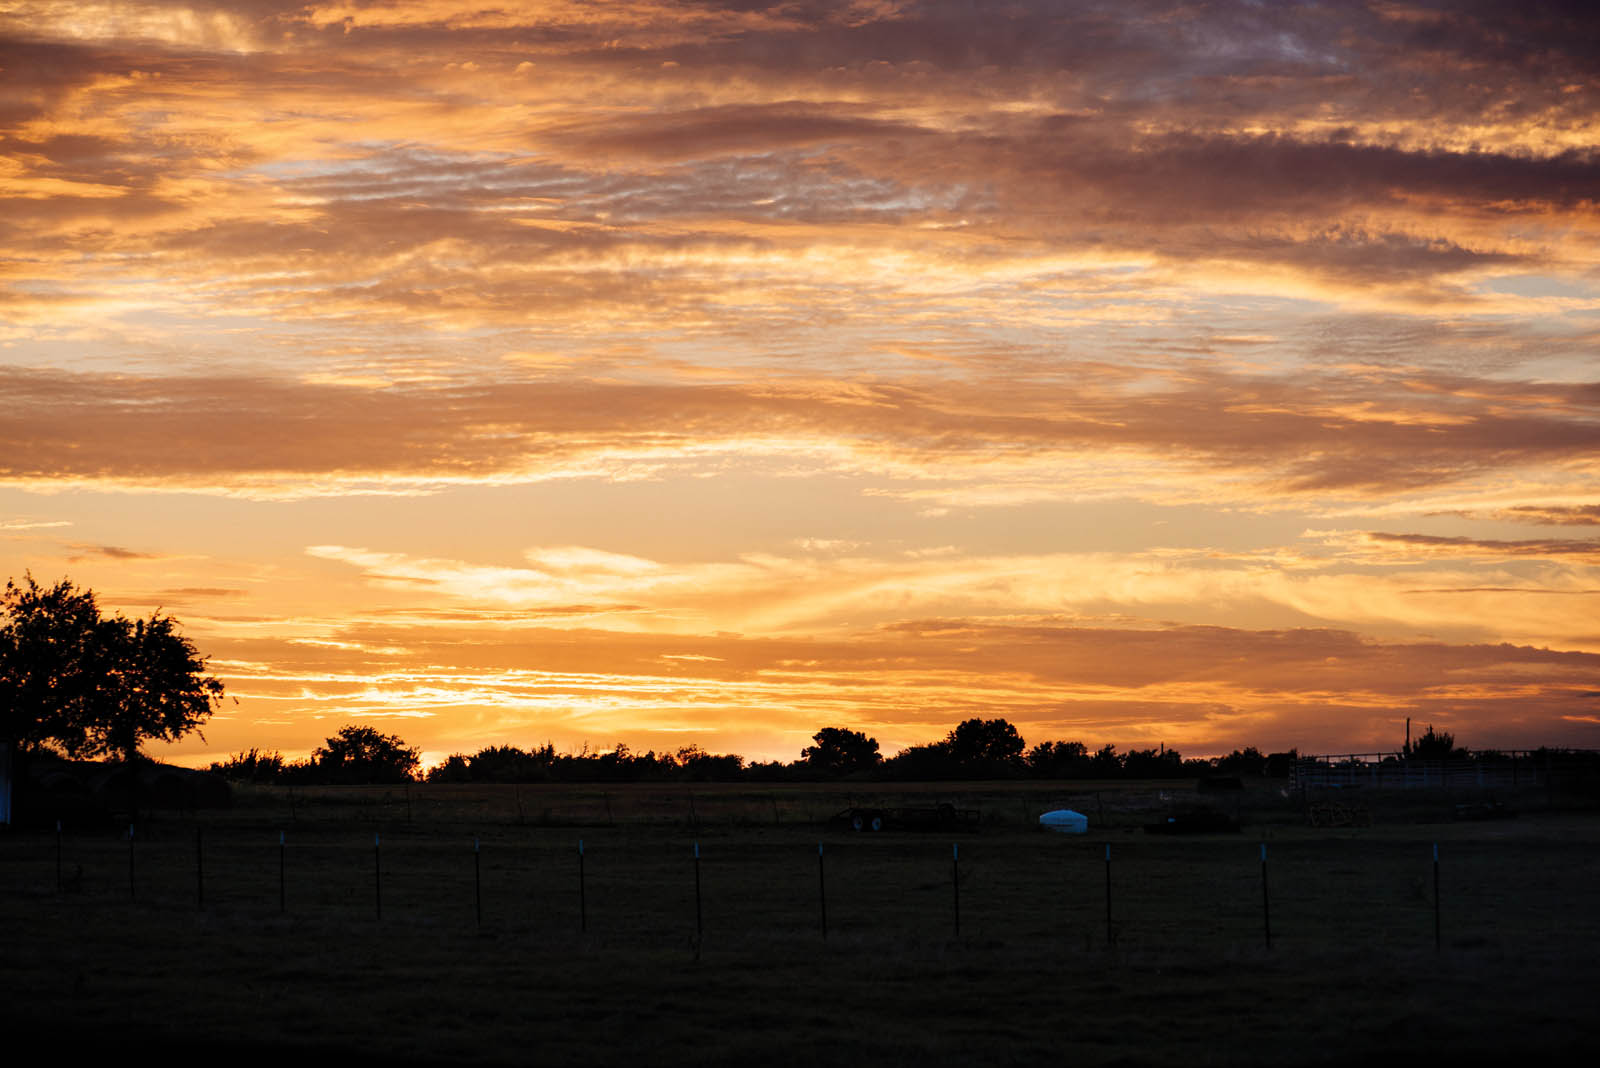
[[1338, 814], [944, 817]]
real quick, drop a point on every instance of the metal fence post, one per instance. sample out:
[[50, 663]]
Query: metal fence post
[[1266, 905], [955, 882], [822, 892]]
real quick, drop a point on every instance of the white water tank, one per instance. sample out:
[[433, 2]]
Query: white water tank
[[1065, 821]]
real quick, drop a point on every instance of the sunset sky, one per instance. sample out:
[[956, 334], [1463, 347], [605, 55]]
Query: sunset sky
[[1198, 374]]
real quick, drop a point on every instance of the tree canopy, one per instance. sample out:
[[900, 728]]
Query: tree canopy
[[1433, 745], [359, 754], [986, 746], [95, 685], [841, 751], [48, 660], [154, 687]]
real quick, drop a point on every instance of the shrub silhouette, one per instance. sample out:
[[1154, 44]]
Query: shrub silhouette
[[1433, 745]]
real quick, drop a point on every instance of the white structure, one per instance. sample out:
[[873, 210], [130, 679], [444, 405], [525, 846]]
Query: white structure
[[1065, 821]]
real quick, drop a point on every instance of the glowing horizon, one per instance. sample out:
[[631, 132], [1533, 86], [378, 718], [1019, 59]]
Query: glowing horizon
[[662, 372]]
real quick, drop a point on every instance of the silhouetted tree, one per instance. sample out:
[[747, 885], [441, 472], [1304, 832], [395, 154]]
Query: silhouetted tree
[[1160, 763], [508, 763], [840, 751], [152, 685], [93, 685], [454, 769], [358, 754], [778, 771], [1434, 746], [701, 766], [986, 747], [922, 763], [1106, 764], [252, 765], [1246, 761], [1058, 760], [619, 765], [50, 665]]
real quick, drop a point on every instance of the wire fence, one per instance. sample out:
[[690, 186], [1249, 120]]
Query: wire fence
[[1509, 769], [630, 886]]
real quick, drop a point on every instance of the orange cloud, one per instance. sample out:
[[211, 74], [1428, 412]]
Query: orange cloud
[[1166, 435]]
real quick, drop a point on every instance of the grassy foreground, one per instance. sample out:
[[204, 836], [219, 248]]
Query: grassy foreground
[[1182, 973]]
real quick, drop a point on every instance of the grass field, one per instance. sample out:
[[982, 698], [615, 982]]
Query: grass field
[[1182, 974]]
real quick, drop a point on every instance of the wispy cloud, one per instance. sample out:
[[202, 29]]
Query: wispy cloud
[[32, 524], [1163, 433], [109, 552], [1399, 548], [1554, 515]]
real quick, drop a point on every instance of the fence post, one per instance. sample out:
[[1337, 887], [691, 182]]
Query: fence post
[[477, 880], [955, 882], [583, 900], [283, 898], [698, 929], [1111, 934], [1266, 905], [130, 862], [377, 874], [1438, 939], [58, 856], [822, 892], [199, 873]]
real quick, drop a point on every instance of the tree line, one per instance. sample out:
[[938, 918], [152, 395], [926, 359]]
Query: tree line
[[974, 749]]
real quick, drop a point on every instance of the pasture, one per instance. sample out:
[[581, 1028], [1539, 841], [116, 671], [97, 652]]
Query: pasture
[[1182, 972]]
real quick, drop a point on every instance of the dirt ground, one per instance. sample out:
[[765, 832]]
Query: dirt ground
[[380, 949]]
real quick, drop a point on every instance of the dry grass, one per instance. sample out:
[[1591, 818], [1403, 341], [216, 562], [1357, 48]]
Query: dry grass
[[1031, 977]]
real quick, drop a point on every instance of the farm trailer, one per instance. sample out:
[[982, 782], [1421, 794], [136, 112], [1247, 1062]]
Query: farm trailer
[[944, 817]]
